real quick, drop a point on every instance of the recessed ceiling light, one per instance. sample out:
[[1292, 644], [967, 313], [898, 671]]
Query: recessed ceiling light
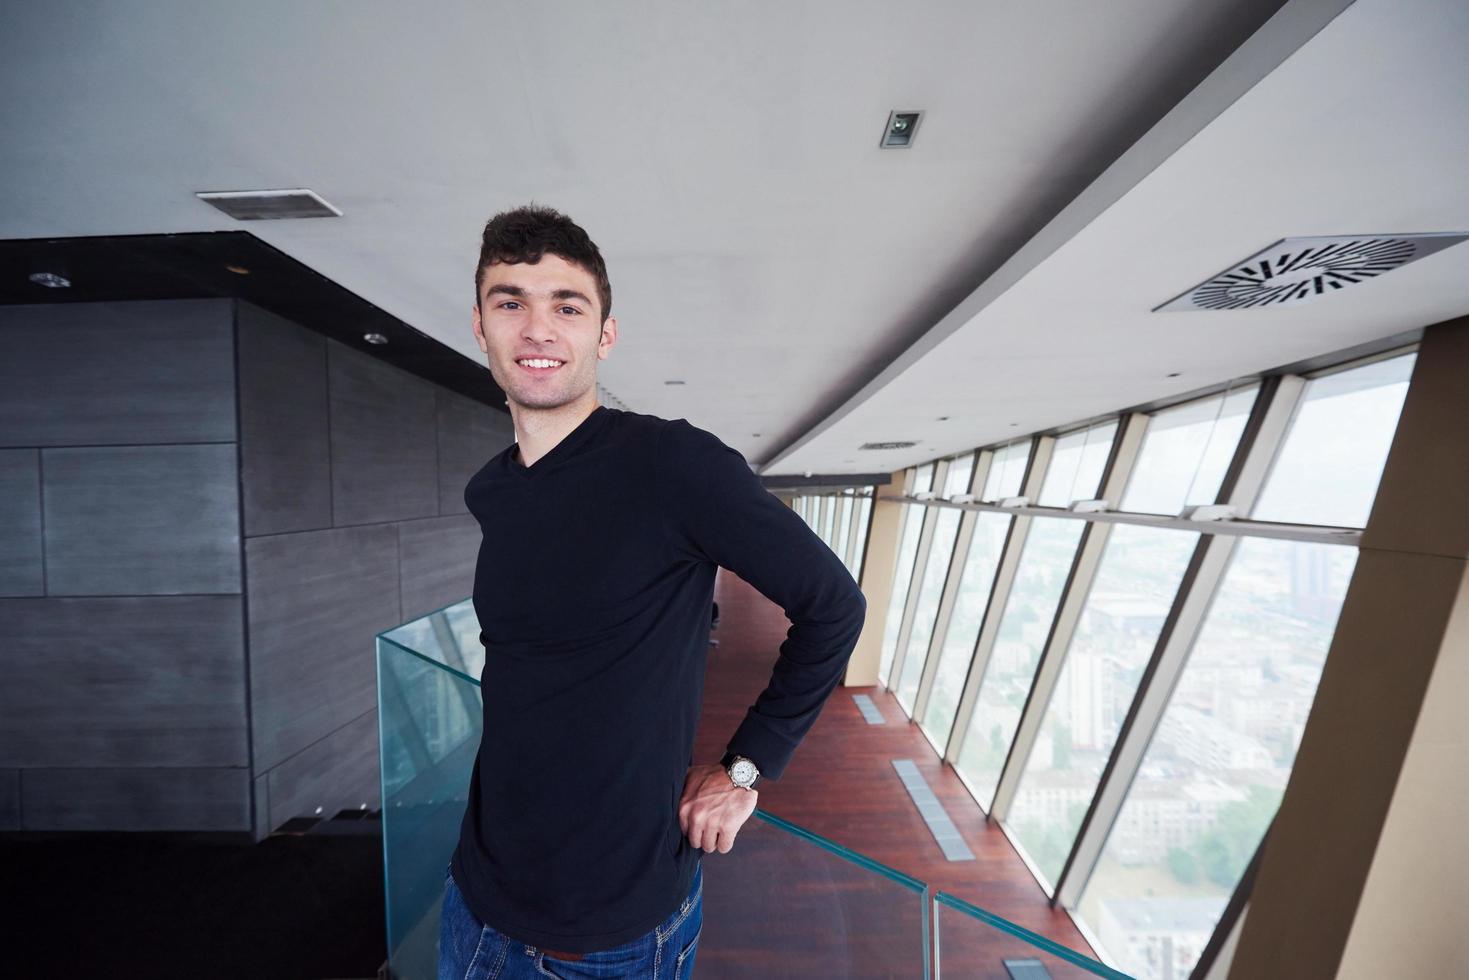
[[50, 280], [942, 418], [755, 434], [1298, 270], [673, 382], [1174, 374], [902, 125], [374, 338], [261, 205], [896, 444]]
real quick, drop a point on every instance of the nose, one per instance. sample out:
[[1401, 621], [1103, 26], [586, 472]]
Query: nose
[[540, 326]]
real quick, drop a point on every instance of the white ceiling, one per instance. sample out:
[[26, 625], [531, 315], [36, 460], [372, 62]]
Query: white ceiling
[[762, 248], [1363, 128]]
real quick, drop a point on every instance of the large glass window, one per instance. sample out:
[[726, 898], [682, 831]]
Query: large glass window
[[1076, 465], [960, 470], [975, 583], [1134, 588], [1186, 451], [903, 573], [1217, 766], [828, 519], [1218, 761], [864, 517], [843, 526], [1007, 470], [931, 588], [1049, 550], [1328, 469]]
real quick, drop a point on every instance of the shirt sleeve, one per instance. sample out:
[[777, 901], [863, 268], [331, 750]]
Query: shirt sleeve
[[720, 512]]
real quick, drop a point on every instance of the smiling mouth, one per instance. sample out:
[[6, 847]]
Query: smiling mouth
[[539, 365]]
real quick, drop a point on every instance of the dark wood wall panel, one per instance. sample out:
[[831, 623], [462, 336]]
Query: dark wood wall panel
[[438, 558], [21, 569], [384, 447], [141, 520], [107, 374], [135, 799], [470, 434], [150, 681], [284, 441], [340, 772], [317, 599]]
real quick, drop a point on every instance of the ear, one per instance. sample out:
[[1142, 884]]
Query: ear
[[609, 337], [479, 330]]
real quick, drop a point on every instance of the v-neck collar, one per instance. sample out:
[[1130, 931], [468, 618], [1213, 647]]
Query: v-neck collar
[[584, 430]]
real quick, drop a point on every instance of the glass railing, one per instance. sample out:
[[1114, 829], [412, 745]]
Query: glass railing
[[970, 943], [788, 903]]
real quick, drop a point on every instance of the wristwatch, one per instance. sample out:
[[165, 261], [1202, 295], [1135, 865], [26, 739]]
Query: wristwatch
[[742, 770]]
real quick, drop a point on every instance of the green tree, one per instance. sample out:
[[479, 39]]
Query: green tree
[[1225, 849], [1183, 864]]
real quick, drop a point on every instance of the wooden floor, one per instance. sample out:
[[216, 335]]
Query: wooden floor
[[841, 782]]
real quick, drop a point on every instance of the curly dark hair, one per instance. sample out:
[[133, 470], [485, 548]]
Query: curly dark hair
[[526, 233]]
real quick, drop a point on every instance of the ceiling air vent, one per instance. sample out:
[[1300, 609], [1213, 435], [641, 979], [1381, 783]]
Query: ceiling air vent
[[262, 205], [1297, 270], [887, 445]]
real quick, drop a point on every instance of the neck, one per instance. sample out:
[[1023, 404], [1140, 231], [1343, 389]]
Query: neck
[[538, 430]]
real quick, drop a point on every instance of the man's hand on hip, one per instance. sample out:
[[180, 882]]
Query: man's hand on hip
[[713, 809]]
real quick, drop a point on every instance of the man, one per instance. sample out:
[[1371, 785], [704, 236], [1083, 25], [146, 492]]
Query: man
[[579, 853]]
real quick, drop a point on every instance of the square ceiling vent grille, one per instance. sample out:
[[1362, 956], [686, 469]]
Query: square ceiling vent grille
[[1298, 270], [265, 205]]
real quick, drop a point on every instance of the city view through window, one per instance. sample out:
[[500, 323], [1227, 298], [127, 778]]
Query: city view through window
[[1218, 754]]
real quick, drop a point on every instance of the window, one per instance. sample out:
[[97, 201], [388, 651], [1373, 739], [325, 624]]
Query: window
[[1007, 469], [975, 582], [843, 525], [1134, 589], [1218, 759], [903, 574], [1185, 452], [931, 587], [1077, 461], [1045, 562], [1329, 466], [864, 518], [960, 470], [1217, 765]]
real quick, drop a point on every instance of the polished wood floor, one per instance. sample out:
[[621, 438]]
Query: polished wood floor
[[841, 782]]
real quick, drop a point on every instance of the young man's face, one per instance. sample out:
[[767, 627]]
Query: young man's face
[[546, 311]]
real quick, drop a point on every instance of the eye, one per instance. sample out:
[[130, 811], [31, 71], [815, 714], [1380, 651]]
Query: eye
[[571, 309], [508, 303]]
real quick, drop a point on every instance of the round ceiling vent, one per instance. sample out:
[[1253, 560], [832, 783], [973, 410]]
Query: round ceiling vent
[[1297, 270]]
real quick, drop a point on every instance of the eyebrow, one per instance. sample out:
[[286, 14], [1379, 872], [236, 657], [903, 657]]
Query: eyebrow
[[508, 289]]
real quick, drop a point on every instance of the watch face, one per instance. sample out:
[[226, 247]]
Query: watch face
[[743, 772]]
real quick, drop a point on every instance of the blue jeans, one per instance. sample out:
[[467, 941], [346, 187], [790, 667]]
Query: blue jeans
[[471, 950]]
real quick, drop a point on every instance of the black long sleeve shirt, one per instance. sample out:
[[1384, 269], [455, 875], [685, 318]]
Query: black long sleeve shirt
[[593, 591]]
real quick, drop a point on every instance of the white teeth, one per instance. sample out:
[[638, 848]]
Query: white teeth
[[539, 362]]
